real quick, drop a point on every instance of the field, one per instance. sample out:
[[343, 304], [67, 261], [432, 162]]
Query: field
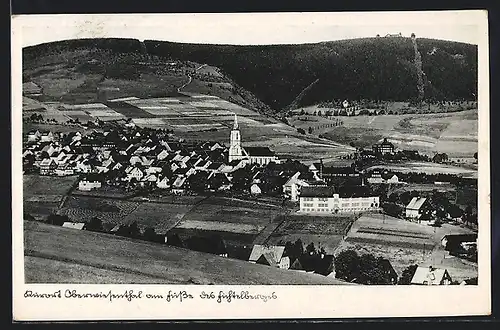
[[191, 116], [34, 185], [405, 243], [83, 209], [61, 255], [42, 194], [323, 231], [429, 168], [159, 216], [454, 133]]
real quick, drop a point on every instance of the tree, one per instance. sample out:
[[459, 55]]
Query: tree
[[407, 275], [174, 240], [475, 155], [150, 235], [301, 131], [310, 248], [347, 265], [310, 130], [95, 224], [57, 219]]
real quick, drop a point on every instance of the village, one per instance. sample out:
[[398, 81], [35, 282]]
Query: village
[[124, 161]]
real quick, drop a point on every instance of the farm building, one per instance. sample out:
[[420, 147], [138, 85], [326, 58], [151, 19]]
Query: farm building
[[74, 225], [269, 255], [415, 208], [382, 177], [253, 155], [385, 147], [324, 199], [431, 276]]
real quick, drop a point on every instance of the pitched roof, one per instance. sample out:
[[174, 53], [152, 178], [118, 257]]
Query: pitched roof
[[259, 151], [317, 191], [416, 203], [272, 253], [424, 275], [74, 225]]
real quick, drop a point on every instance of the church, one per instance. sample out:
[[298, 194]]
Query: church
[[254, 155]]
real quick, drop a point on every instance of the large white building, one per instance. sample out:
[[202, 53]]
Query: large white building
[[324, 199], [254, 155]]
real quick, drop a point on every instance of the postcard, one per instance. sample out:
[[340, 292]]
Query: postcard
[[250, 165]]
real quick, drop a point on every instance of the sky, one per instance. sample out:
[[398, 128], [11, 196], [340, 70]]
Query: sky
[[251, 28]]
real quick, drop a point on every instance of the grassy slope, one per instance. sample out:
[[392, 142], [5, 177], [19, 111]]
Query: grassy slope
[[86, 257], [454, 133]]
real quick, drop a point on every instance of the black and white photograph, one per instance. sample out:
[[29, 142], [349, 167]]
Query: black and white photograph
[[296, 149]]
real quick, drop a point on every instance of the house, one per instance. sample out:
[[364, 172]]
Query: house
[[383, 148], [47, 166], [34, 136], [87, 184], [431, 276], [163, 183], [179, 185], [134, 173], [385, 177], [292, 186], [162, 155], [415, 208], [74, 225], [255, 189], [269, 255], [218, 181], [326, 199], [64, 172], [47, 137], [150, 178]]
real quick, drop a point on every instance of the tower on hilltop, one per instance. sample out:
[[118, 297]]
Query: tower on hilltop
[[235, 151]]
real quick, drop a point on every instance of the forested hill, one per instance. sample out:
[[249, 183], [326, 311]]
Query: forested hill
[[385, 68]]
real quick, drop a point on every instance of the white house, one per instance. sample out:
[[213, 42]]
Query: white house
[[383, 177], [269, 255], [255, 189], [34, 136], [88, 185], [323, 199], [292, 187], [47, 137], [162, 155], [431, 276], [414, 208], [74, 225], [163, 183], [133, 173]]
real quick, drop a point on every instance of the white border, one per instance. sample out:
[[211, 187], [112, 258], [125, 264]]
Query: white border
[[293, 301]]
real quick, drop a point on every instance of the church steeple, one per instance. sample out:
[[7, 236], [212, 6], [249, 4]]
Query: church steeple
[[235, 125], [235, 151]]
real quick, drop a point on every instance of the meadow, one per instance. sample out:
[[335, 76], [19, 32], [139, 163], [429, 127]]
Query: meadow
[[455, 133], [61, 255]]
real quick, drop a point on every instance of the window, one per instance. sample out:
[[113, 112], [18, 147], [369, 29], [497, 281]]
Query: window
[[323, 199]]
